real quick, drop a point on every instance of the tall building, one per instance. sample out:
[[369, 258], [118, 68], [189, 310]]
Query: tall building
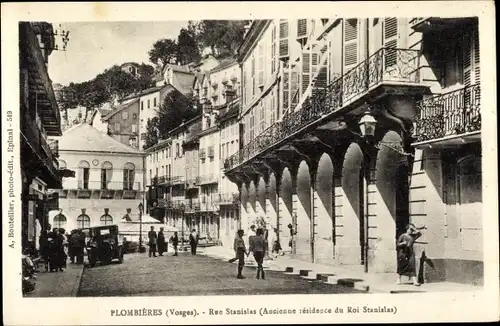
[[39, 119], [122, 123], [109, 175], [353, 128]]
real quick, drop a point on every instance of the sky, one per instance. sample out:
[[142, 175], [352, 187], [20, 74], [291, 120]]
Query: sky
[[95, 46]]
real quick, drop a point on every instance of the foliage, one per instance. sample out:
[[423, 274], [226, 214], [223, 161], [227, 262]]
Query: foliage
[[151, 132], [164, 51], [222, 37], [175, 109], [187, 48], [107, 87]]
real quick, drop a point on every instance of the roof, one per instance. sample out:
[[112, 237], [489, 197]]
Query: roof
[[122, 106], [160, 144], [177, 68], [184, 124], [145, 92], [225, 63], [234, 109], [85, 138]]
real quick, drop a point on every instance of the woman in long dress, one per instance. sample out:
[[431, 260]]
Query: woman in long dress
[[406, 254]]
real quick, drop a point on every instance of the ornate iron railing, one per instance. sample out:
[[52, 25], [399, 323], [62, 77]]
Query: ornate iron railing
[[228, 198], [388, 65], [449, 114]]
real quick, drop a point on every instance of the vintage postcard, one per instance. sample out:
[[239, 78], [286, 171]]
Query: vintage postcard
[[247, 162]]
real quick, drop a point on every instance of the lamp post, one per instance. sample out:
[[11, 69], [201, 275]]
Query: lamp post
[[141, 208], [182, 224]]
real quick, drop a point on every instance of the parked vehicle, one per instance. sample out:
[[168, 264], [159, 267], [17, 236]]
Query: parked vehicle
[[103, 244]]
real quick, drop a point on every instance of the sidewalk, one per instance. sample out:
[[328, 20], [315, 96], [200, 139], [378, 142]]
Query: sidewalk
[[58, 284], [347, 276]]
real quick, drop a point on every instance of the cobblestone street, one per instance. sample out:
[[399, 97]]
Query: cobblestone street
[[140, 275]]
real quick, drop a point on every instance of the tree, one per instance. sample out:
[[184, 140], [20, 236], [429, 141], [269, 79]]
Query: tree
[[175, 109], [151, 132], [223, 37], [164, 51], [187, 48]]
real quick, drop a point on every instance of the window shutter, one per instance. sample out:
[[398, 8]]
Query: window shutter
[[261, 66], [390, 41], [286, 89], [477, 70], [273, 49], [321, 81], [294, 87], [306, 71], [301, 28], [350, 43], [284, 44], [467, 58]]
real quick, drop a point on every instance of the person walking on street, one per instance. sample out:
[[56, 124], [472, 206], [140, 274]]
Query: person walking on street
[[175, 242], [44, 247], [162, 245], [153, 239], [240, 251], [258, 247], [193, 241], [292, 237], [406, 254], [81, 247], [251, 235]]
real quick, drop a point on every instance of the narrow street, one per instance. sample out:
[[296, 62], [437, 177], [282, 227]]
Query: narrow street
[[183, 275]]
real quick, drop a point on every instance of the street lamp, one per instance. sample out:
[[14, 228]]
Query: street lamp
[[367, 126], [141, 208]]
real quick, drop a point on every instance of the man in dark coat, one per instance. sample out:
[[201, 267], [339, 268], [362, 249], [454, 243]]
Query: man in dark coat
[[153, 240], [175, 242], [193, 241], [162, 244], [44, 246]]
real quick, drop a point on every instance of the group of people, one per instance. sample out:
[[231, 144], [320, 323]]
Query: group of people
[[157, 241], [258, 247], [52, 242]]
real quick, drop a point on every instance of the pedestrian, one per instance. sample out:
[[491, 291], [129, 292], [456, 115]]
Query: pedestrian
[[72, 246], [194, 237], [251, 234], [153, 240], [44, 247], [57, 251], [240, 251], [81, 247], [274, 244], [175, 242], [162, 245], [258, 247], [406, 254], [292, 237]]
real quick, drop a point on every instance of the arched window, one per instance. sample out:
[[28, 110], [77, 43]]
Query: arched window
[[62, 164], [106, 174], [59, 221], [83, 175], [106, 219], [128, 176], [83, 221]]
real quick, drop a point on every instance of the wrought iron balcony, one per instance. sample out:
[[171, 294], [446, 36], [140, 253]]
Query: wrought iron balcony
[[449, 114], [389, 67], [102, 185], [192, 205], [208, 178], [229, 199]]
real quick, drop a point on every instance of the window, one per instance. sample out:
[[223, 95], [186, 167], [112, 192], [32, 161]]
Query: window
[[117, 126], [106, 219], [125, 115], [132, 141], [134, 128], [134, 116], [83, 221], [106, 174], [62, 164], [59, 221], [149, 103], [142, 105], [83, 175], [350, 43], [222, 151], [177, 150], [154, 102], [128, 176]]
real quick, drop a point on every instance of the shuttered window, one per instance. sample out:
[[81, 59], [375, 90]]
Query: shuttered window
[[301, 28], [322, 77], [261, 65], [284, 34], [273, 49], [350, 43], [390, 41], [286, 89], [306, 71], [294, 85]]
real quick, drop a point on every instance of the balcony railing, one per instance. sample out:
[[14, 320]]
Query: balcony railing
[[386, 66], [192, 205], [112, 185], [229, 199], [208, 178], [449, 114]]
